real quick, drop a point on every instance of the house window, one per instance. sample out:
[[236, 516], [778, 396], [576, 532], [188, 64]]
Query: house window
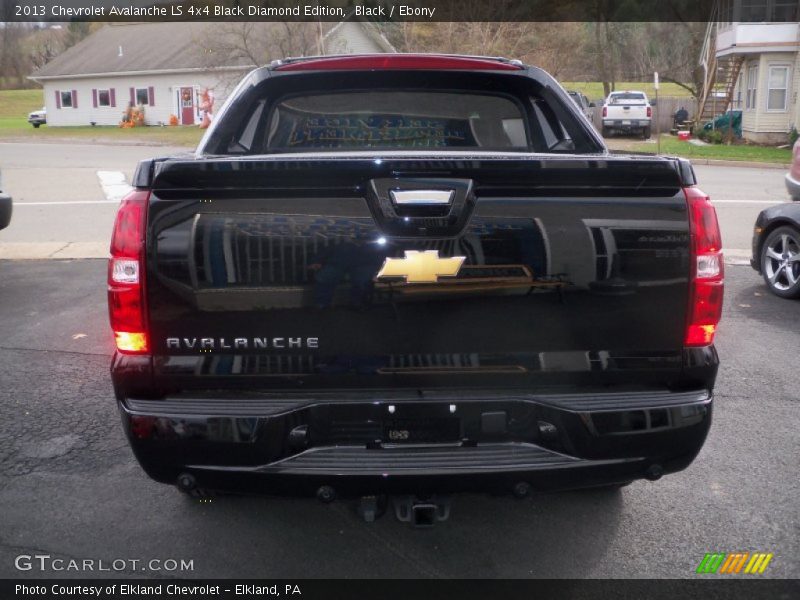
[[66, 99], [103, 98], [777, 87], [752, 84], [142, 97]]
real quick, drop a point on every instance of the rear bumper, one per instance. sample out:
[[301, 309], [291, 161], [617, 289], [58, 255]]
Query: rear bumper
[[254, 443], [793, 187], [5, 210], [626, 123]]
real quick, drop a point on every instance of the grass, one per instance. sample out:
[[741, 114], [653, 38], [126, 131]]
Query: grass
[[16, 104], [671, 146], [594, 89]]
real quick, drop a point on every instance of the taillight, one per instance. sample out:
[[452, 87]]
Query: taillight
[[649, 112], [126, 292], [707, 270], [605, 111]]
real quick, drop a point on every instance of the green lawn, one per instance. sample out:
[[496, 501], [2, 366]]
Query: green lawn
[[671, 146], [16, 104], [594, 89]]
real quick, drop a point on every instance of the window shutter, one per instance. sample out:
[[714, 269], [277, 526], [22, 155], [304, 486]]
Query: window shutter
[[74, 98], [133, 96], [112, 97], [58, 99], [94, 98], [151, 96]]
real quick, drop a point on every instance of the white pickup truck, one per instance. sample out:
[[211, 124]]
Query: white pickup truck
[[627, 112]]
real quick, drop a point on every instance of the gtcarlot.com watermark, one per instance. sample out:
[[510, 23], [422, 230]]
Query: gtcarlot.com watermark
[[44, 563]]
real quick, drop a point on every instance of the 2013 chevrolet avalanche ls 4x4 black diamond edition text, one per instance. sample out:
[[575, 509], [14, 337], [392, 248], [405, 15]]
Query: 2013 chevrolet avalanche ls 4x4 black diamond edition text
[[412, 274]]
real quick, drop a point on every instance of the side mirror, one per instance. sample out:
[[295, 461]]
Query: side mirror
[[653, 102], [592, 105]]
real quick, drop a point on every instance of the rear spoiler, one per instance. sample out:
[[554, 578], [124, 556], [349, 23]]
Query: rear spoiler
[[145, 171]]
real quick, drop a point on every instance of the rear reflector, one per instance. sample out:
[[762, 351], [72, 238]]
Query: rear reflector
[[707, 270], [649, 112], [399, 61], [126, 293]]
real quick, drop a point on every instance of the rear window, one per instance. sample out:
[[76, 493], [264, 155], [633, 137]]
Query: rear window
[[627, 97], [396, 120], [404, 111]]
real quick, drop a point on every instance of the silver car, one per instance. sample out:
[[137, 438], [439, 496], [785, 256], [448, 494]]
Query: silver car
[[38, 117]]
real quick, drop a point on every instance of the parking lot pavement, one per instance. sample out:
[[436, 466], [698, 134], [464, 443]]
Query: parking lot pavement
[[70, 487], [60, 208]]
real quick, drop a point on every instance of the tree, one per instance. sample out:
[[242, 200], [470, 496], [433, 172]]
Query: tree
[[259, 43], [556, 47]]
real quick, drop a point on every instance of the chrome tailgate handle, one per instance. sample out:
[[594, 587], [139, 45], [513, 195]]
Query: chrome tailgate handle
[[422, 197]]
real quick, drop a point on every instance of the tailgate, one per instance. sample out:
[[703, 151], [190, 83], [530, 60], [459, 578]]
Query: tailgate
[[628, 111], [331, 272]]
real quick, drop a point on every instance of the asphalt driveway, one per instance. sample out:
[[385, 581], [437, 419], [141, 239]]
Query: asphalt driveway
[[70, 487]]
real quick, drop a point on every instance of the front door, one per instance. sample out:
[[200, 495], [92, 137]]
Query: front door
[[187, 106]]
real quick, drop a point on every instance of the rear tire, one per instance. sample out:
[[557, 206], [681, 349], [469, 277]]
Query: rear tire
[[780, 262], [36, 125], [606, 132], [646, 133]]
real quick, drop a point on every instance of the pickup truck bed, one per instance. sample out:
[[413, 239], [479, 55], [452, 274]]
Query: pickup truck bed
[[414, 319]]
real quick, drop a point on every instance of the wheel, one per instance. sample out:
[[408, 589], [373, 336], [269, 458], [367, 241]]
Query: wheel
[[606, 132], [36, 125], [646, 133], [780, 262]]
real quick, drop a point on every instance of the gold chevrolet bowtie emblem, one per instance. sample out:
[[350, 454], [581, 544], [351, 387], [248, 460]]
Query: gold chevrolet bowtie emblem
[[421, 267]]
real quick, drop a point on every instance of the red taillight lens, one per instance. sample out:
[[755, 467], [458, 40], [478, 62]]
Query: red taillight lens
[[707, 270], [126, 293], [649, 112], [605, 111]]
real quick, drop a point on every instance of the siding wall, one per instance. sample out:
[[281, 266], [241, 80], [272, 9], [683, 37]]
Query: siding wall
[[164, 86], [760, 124]]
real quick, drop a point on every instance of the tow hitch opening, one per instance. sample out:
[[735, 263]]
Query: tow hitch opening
[[421, 513]]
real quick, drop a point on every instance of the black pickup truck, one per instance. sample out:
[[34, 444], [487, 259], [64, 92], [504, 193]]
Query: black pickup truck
[[412, 274]]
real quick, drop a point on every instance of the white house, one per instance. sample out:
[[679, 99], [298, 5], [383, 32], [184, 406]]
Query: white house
[[760, 39], [163, 67]]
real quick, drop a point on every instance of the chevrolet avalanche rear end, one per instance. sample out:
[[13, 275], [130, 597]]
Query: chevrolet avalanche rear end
[[412, 275]]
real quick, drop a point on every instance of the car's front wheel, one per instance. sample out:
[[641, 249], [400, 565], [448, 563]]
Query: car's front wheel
[[36, 125], [780, 262]]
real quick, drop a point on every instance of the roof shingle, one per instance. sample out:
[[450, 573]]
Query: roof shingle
[[127, 47]]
